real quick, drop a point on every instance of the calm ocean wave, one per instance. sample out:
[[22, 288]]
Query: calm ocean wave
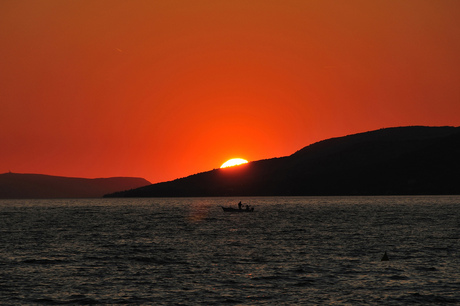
[[185, 251]]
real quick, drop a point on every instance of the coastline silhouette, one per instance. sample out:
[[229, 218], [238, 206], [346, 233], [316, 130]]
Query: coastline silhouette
[[394, 161], [40, 186], [414, 160]]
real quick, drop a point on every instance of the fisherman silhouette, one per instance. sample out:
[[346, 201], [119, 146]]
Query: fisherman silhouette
[[239, 205], [385, 257]]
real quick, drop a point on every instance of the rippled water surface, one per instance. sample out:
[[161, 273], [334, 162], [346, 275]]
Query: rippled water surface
[[188, 251]]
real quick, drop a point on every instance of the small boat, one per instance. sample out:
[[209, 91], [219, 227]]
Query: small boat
[[385, 257], [231, 209]]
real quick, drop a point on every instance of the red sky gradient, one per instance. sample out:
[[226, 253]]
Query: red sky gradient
[[165, 89]]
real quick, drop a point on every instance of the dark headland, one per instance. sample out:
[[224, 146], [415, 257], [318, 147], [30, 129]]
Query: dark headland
[[414, 160], [39, 186]]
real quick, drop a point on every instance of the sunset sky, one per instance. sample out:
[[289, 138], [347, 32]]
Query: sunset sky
[[166, 89]]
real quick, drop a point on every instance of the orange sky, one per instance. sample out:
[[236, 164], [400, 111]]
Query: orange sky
[[165, 89]]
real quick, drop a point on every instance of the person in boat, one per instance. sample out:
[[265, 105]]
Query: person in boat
[[239, 205]]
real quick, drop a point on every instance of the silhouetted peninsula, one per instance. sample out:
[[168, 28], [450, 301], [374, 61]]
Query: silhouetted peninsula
[[413, 160], [39, 186]]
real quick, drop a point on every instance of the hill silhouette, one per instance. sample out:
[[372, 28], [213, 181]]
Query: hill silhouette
[[34, 186], [392, 161]]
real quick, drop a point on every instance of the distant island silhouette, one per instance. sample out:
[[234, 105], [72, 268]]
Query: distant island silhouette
[[39, 186], [415, 160]]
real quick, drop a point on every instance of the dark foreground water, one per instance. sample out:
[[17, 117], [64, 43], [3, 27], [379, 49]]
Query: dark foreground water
[[188, 251]]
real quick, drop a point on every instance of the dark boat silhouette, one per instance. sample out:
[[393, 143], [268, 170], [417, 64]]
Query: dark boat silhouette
[[231, 209], [385, 257]]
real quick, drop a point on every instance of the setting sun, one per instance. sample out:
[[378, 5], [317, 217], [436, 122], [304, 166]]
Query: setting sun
[[234, 162]]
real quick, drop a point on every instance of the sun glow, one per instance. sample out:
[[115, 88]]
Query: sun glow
[[234, 162]]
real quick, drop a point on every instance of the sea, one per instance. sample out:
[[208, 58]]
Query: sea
[[188, 251]]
